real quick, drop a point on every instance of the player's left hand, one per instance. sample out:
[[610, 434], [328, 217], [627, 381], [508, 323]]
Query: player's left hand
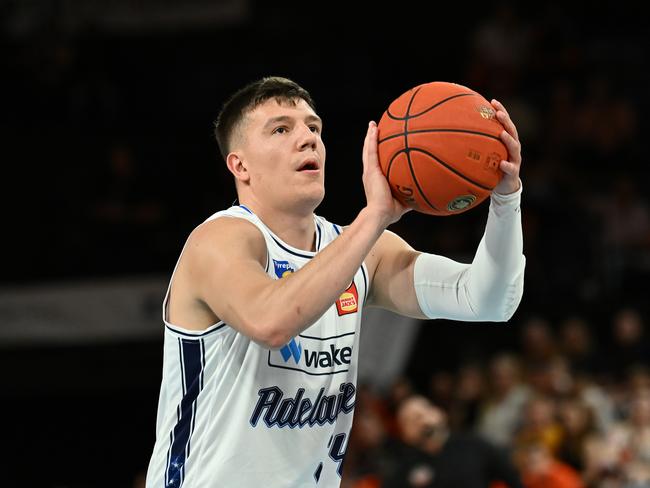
[[510, 181]]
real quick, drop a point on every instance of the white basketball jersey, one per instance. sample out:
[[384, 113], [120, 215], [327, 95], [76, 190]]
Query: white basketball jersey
[[232, 413]]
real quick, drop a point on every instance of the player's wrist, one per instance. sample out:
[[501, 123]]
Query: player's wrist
[[376, 218], [507, 187], [508, 197]]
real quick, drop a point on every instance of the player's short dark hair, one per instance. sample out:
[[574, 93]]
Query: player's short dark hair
[[249, 97]]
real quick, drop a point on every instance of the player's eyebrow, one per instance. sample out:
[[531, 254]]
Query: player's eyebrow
[[285, 118]]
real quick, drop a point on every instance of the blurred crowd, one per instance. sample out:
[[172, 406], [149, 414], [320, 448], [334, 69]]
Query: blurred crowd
[[561, 411]]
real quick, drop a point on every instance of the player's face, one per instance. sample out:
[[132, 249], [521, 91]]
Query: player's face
[[285, 154]]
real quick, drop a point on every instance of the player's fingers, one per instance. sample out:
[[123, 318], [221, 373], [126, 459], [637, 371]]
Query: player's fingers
[[512, 128], [499, 106], [513, 146], [372, 143], [509, 168], [370, 147], [507, 122]]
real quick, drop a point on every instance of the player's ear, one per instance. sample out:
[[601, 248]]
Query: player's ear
[[237, 166]]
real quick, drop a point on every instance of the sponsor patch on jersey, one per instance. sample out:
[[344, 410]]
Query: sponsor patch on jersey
[[283, 268], [315, 355], [348, 302]]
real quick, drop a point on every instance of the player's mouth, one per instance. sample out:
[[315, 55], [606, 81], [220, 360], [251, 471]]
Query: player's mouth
[[309, 166]]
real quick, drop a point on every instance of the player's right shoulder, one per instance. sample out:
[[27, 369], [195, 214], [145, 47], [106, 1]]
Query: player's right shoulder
[[226, 238]]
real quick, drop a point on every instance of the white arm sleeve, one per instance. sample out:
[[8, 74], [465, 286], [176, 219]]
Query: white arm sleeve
[[490, 288]]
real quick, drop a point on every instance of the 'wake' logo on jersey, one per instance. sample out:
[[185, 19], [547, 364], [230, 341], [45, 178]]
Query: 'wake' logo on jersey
[[348, 302], [282, 268], [315, 355]]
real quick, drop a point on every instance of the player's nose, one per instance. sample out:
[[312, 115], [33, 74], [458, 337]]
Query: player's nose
[[307, 138]]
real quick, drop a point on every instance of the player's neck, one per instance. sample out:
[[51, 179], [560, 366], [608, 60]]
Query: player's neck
[[294, 228]]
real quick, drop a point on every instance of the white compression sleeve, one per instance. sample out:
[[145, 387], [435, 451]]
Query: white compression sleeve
[[489, 289]]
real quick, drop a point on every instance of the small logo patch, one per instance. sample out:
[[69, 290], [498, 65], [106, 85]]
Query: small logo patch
[[493, 161], [348, 302], [461, 203], [486, 112], [282, 268]]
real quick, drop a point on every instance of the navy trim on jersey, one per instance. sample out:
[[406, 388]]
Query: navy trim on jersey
[[289, 250], [365, 282], [192, 357], [326, 338], [199, 335], [318, 239], [318, 233], [336, 230]]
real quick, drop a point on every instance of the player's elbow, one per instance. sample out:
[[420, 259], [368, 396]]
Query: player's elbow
[[272, 327], [501, 308], [270, 335], [275, 339]]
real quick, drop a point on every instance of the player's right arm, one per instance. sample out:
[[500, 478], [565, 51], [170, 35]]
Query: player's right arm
[[223, 268]]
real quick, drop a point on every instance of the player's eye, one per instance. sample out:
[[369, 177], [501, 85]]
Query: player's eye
[[315, 129], [280, 130]]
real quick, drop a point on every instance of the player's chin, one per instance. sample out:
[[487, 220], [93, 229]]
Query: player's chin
[[313, 193]]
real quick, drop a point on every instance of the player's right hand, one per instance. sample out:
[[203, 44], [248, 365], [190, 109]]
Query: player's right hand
[[379, 198]]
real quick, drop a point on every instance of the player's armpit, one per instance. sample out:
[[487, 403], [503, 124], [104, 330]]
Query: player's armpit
[[392, 282]]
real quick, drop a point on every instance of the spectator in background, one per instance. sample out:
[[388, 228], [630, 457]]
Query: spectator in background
[[630, 438], [537, 342], [436, 457], [577, 424], [638, 378], [551, 377], [602, 468], [621, 457], [369, 451], [599, 401], [467, 398], [399, 390], [628, 348], [539, 469], [500, 412], [539, 424], [577, 346], [442, 388]]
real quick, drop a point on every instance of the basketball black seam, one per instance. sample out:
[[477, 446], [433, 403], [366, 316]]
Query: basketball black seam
[[450, 168], [426, 131], [408, 155], [408, 116], [390, 163]]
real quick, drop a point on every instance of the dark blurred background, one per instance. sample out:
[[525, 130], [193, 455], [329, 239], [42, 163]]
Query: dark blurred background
[[108, 162]]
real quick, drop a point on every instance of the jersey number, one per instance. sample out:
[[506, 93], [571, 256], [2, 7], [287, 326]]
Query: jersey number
[[337, 454]]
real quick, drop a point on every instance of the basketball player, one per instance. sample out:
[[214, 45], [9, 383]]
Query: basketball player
[[263, 309]]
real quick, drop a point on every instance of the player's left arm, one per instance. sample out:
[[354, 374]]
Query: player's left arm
[[425, 285]]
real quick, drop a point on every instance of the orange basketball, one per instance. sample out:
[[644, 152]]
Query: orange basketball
[[439, 148]]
